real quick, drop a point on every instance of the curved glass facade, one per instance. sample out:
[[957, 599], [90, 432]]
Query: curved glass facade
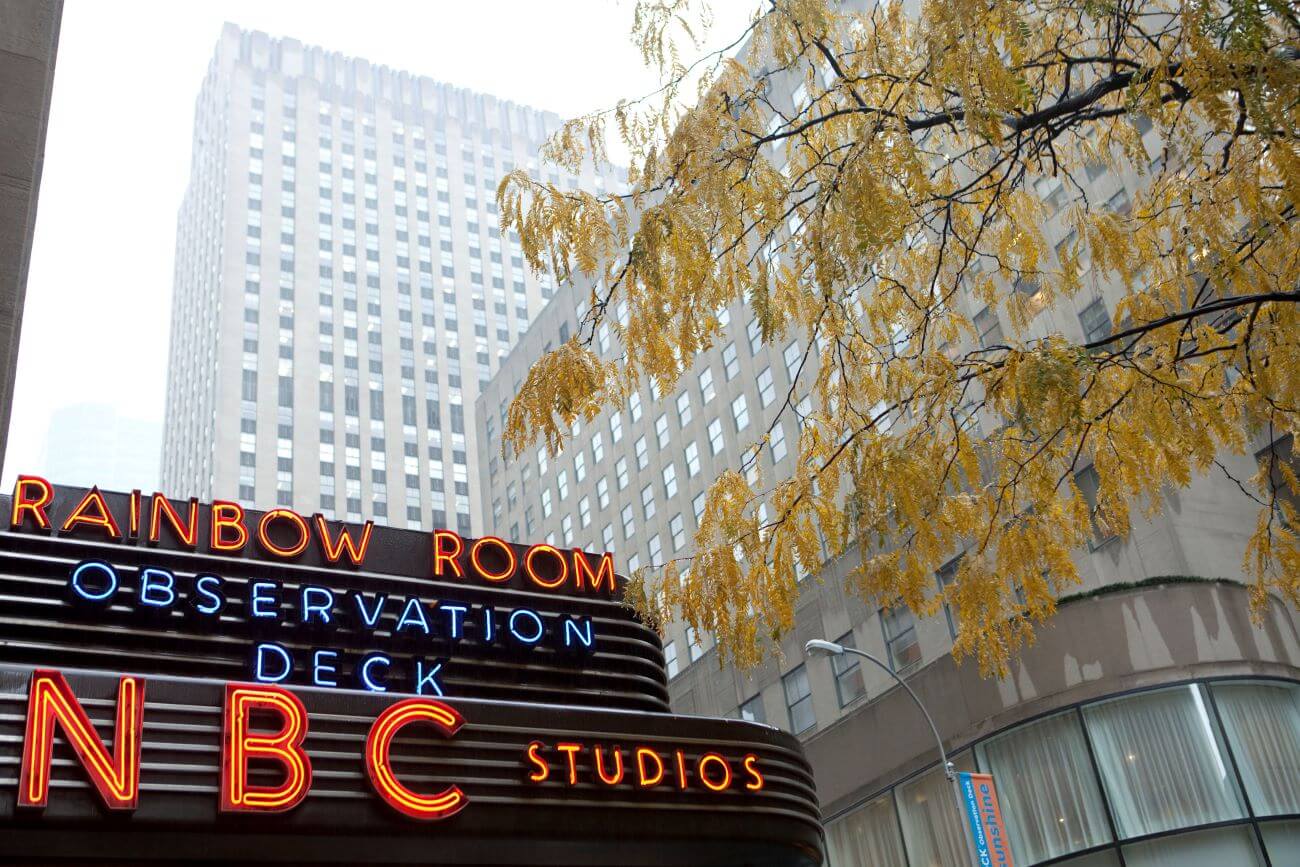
[[1204, 773]]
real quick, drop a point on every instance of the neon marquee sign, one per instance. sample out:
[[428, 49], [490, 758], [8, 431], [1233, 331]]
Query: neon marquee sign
[[295, 625], [248, 737]]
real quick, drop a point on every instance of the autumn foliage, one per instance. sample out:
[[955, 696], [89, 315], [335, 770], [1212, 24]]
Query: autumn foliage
[[869, 180]]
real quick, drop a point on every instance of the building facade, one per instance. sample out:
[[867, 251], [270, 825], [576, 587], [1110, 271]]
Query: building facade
[[29, 40], [1154, 722], [342, 288]]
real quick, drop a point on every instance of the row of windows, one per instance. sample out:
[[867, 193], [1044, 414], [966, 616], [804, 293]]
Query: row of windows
[[1145, 768]]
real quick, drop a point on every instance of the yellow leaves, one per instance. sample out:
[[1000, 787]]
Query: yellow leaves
[[934, 253], [564, 385]]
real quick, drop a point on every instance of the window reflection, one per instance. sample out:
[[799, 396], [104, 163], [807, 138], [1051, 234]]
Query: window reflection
[[1045, 780], [932, 825], [1262, 721], [1161, 762]]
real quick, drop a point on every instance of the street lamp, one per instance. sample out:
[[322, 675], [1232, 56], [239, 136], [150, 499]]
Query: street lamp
[[830, 648]]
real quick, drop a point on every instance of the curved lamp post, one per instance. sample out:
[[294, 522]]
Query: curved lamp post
[[830, 648]]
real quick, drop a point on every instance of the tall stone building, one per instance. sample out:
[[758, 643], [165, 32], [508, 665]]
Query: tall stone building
[[342, 289], [1153, 723]]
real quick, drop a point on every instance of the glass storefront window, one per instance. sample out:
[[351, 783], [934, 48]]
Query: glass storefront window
[[868, 835], [1161, 762], [932, 824], [1262, 721], [1047, 788], [1215, 847]]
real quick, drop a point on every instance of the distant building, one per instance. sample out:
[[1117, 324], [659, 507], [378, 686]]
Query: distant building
[[91, 444], [342, 212]]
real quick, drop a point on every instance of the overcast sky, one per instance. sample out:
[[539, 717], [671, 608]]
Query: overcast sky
[[118, 147]]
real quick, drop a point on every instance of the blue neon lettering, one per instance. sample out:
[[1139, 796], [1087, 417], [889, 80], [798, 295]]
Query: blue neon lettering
[[370, 618], [157, 587], [413, 616], [76, 581], [489, 624], [537, 623], [455, 613], [571, 632], [364, 670], [256, 598], [322, 668], [324, 607], [259, 669], [201, 585], [430, 678]]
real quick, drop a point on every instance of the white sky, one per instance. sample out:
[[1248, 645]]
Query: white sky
[[118, 146]]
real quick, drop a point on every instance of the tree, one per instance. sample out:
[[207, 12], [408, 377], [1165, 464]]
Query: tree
[[875, 182]]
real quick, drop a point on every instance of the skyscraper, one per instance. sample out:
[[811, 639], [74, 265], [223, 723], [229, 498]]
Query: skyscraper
[[342, 287]]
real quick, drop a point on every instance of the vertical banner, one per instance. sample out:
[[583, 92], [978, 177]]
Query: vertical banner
[[992, 844]]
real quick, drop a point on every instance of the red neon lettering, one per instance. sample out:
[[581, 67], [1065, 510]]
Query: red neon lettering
[[476, 558], [450, 557], [450, 800], [133, 520], [756, 781], [540, 581], [187, 531], [645, 779], [31, 495], [681, 769], [602, 577], [268, 544], [283, 747], [116, 778], [93, 512], [571, 750], [705, 761], [227, 516], [618, 766], [335, 549], [543, 771]]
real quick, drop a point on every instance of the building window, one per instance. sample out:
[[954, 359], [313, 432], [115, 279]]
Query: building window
[[752, 710], [946, 575], [755, 333], [1045, 780], [1089, 485], [793, 359], [730, 363], [670, 481], [677, 530], [900, 638], [766, 388], [629, 521], [988, 327], [706, 385], [1143, 741], [616, 428], [620, 473], [798, 699], [850, 685], [692, 459], [740, 412], [1262, 721], [642, 454], [715, 436], [1095, 320], [684, 408], [776, 442], [648, 501], [670, 659], [602, 492]]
